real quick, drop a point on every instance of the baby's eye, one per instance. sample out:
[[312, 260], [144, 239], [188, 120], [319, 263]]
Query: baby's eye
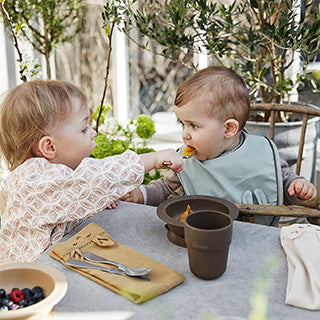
[[85, 129], [194, 126], [180, 122]]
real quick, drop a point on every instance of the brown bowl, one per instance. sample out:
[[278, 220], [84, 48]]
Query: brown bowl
[[29, 275], [170, 210]]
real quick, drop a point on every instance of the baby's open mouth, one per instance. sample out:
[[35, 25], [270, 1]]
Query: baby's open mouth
[[188, 151]]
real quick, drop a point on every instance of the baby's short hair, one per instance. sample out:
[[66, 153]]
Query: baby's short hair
[[225, 91], [28, 110]]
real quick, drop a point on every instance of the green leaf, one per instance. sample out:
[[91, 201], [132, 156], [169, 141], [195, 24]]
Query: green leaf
[[262, 73]]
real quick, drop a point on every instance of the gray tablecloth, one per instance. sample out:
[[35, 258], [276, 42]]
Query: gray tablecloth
[[137, 226]]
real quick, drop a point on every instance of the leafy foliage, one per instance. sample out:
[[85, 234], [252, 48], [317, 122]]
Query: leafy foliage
[[259, 39], [46, 23]]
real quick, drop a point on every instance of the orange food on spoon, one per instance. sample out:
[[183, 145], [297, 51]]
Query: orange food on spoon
[[184, 215], [188, 151]]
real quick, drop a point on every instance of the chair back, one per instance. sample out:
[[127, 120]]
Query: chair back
[[306, 111]]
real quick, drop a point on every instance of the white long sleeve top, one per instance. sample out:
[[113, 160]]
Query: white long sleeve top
[[44, 201]]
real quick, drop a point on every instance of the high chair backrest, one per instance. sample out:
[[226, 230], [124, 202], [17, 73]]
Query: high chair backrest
[[306, 210], [306, 111]]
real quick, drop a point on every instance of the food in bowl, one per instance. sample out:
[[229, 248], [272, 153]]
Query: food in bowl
[[18, 299], [33, 276], [184, 214]]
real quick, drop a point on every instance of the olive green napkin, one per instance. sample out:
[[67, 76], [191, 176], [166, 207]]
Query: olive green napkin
[[96, 240]]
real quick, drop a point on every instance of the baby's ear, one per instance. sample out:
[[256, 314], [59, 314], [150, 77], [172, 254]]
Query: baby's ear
[[46, 148], [231, 127]]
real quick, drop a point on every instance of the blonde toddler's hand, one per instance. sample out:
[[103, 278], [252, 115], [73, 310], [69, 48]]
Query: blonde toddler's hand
[[303, 189], [113, 205], [133, 196], [168, 156]]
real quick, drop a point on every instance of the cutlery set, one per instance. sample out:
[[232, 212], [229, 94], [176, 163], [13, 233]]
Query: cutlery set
[[140, 273]]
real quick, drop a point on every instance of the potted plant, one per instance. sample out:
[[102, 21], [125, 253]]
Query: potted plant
[[261, 40]]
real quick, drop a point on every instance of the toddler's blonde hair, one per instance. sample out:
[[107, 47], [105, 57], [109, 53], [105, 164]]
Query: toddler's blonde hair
[[26, 112], [225, 91]]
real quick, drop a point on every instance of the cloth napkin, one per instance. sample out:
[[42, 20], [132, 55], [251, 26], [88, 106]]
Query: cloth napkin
[[301, 243], [96, 240]]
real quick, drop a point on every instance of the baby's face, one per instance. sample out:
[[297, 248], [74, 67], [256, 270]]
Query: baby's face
[[73, 136], [205, 134]]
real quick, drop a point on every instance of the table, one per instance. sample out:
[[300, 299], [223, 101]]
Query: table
[[138, 226]]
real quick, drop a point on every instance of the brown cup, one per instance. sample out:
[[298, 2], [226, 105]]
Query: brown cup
[[208, 235]]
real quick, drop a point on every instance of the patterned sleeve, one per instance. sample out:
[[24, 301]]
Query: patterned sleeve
[[46, 200], [59, 194]]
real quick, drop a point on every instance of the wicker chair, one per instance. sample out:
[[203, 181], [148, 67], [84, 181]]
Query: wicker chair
[[309, 210]]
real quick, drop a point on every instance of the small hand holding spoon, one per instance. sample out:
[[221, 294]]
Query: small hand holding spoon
[[188, 152], [134, 272]]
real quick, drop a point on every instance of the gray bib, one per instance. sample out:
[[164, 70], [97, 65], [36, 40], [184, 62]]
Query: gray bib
[[250, 174]]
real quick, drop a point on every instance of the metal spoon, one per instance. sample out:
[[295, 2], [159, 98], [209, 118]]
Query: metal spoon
[[135, 272], [167, 163], [88, 265]]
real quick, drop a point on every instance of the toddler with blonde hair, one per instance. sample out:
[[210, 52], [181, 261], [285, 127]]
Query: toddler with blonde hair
[[53, 184]]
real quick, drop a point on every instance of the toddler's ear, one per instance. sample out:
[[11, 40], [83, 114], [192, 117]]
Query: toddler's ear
[[231, 127], [47, 148]]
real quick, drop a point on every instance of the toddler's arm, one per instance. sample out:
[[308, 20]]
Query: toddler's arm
[[154, 160], [303, 189]]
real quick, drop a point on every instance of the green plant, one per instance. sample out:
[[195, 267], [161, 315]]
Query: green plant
[[115, 138], [45, 23], [259, 39]]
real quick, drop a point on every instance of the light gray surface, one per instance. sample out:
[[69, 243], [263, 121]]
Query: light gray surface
[[138, 227]]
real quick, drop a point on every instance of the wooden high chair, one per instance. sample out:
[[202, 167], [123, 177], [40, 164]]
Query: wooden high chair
[[309, 210]]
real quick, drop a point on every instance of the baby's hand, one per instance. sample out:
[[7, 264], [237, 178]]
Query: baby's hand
[[168, 158], [133, 196], [303, 189], [113, 205]]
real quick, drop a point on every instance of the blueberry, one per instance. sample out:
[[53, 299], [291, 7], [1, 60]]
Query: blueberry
[[26, 291], [37, 289], [23, 303], [4, 308], [30, 303], [27, 294], [6, 302], [2, 293], [38, 296]]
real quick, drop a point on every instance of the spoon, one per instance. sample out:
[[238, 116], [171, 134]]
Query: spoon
[[167, 163], [134, 272]]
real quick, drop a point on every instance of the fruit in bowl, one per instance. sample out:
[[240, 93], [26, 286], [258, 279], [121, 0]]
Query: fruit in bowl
[[43, 286]]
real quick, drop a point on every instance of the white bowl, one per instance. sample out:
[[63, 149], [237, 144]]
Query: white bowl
[[29, 275]]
